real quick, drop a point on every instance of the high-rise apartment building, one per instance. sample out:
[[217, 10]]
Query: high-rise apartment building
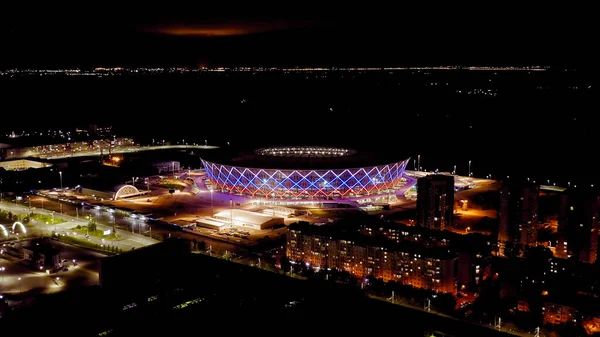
[[578, 226], [519, 218], [435, 201]]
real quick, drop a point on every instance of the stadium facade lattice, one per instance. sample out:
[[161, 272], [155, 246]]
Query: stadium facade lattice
[[306, 172]]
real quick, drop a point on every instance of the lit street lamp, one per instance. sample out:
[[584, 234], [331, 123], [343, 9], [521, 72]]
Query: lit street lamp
[[212, 207], [231, 211], [469, 168], [20, 286], [60, 174]]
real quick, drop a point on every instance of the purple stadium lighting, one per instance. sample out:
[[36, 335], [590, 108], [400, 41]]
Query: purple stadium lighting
[[305, 183]]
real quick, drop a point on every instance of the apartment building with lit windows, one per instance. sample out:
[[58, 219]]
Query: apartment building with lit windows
[[406, 262]]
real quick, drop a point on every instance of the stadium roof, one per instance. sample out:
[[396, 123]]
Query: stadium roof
[[310, 158]]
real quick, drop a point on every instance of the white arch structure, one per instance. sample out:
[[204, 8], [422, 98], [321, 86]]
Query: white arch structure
[[20, 225], [127, 191], [4, 231]]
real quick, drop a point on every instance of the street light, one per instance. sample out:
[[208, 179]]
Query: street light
[[231, 211], [212, 207], [60, 174], [469, 168], [20, 286]]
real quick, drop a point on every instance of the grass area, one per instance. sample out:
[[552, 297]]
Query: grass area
[[171, 184], [97, 233], [45, 218], [87, 244]]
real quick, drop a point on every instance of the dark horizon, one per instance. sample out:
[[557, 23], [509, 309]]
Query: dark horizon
[[193, 36]]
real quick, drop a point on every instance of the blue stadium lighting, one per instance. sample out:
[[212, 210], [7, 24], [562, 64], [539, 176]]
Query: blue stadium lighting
[[333, 183]]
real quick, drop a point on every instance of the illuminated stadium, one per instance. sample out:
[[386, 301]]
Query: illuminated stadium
[[306, 172]]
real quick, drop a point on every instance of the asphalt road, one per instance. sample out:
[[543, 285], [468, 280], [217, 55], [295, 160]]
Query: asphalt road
[[128, 150]]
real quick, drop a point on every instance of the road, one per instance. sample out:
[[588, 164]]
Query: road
[[127, 241], [128, 150]]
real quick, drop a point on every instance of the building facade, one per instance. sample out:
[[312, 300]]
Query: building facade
[[431, 269], [167, 167], [71, 148], [519, 218], [578, 225], [305, 173], [22, 164], [435, 201]]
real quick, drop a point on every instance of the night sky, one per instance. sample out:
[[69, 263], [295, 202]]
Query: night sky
[[89, 35]]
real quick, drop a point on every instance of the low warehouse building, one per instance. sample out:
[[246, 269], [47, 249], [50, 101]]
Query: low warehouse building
[[242, 218]]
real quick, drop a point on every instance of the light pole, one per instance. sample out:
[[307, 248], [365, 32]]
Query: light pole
[[419, 162], [231, 211], [60, 174], [212, 207], [469, 168], [2, 269], [20, 286]]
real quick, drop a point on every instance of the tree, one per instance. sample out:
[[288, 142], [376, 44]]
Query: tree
[[285, 263], [92, 226]]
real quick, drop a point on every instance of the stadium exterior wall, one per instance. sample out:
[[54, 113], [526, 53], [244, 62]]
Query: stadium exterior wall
[[305, 183]]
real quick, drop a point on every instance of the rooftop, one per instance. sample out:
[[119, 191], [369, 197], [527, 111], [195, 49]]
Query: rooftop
[[336, 232], [240, 215], [309, 158], [42, 249]]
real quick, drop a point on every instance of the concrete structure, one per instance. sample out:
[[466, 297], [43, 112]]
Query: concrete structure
[[42, 257], [22, 164], [141, 268], [167, 167], [243, 218], [519, 217], [578, 225], [435, 201], [406, 262], [212, 223], [306, 172], [123, 191]]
